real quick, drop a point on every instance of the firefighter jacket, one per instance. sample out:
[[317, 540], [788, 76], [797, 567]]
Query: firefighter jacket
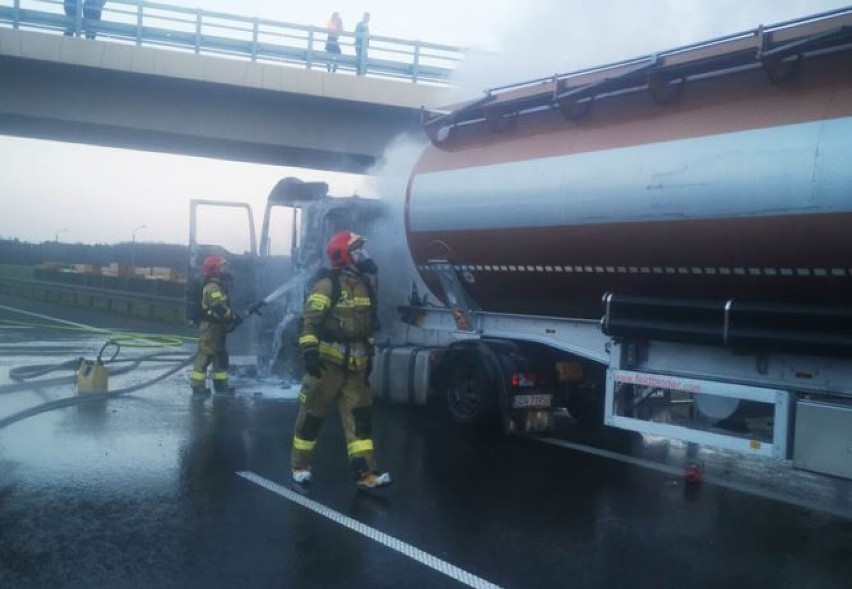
[[216, 317], [342, 331], [215, 303]]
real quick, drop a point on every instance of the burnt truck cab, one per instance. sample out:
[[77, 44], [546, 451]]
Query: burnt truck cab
[[477, 380], [298, 218], [311, 217]]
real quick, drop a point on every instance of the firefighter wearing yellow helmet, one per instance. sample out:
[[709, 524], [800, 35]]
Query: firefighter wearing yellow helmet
[[216, 321], [336, 344]]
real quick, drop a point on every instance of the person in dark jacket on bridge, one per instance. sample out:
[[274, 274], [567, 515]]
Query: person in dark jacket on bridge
[[92, 15], [362, 41], [70, 7]]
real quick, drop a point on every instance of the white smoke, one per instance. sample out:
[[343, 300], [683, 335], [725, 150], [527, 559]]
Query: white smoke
[[548, 37], [387, 242]]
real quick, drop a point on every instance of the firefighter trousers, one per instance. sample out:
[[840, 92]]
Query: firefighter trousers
[[211, 350], [348, 390]]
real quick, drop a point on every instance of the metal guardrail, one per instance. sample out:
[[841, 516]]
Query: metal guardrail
[[153, 306], [203, 32]]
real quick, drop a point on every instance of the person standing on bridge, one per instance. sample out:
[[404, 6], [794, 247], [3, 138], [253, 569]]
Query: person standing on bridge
[[332, 44], [92, 16], [362, 41], [336, 342], [217, 320], [70, 7]]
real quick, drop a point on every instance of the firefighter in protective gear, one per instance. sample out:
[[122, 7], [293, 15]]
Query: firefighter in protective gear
[[217, 320], [336, 344]]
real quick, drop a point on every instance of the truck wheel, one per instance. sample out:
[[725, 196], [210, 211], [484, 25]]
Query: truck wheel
[[470, 391]]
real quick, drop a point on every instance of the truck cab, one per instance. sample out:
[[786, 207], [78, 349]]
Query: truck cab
[[477, 380], [314, 217], [298, 219]]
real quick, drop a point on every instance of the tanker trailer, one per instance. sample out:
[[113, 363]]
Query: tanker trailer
[[699, 200], [715, 172]]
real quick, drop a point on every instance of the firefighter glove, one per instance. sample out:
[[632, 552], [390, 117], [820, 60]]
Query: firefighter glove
[[313, 366], [235, 322], [255, 308]]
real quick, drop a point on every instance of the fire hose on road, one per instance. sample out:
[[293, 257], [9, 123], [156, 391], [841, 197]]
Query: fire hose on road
[[28, 377]]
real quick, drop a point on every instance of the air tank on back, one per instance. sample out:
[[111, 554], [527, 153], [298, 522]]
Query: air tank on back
[[716, 171]]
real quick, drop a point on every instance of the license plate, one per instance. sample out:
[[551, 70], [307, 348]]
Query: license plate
[[525, 401]]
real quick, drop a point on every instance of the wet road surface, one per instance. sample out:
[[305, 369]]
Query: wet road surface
[[144, 491]]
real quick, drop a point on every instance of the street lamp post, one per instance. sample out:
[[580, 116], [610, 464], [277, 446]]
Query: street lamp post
[[133, 249]]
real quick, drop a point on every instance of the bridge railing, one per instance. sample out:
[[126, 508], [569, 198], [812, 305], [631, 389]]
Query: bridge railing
[[141, 23]]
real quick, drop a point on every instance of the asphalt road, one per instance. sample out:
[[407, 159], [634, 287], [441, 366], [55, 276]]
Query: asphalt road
[[157, 489]]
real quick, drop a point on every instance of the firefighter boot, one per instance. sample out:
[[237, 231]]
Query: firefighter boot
[[302, 476], [220, 381], [373, 480], [200, 391], [221, 387], [365, 474]]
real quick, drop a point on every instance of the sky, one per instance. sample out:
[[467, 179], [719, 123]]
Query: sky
[[512, 41]]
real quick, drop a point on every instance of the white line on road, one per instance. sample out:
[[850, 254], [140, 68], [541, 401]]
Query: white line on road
[[612, 455], [83, 326], [55, 319], [707, 479], [408, 550]]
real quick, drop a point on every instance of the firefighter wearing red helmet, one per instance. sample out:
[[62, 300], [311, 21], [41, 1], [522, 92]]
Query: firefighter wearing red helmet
[[217, 320], [336, 344]]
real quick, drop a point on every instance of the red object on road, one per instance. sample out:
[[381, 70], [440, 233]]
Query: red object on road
[[693, 473]]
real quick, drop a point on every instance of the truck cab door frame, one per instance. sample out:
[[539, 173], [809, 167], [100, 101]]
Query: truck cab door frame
[[242, 267]]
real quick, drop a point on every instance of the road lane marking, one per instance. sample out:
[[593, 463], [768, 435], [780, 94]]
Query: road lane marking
[[118, 335], [55, 319], [613, 455], [408, 550], [707, 479]]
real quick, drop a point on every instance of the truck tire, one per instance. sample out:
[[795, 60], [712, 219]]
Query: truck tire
[[470, 391]]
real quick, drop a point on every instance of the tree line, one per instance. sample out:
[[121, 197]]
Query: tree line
[[15, 251]]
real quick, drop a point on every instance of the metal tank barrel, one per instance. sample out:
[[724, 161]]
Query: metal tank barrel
[[735, 185]]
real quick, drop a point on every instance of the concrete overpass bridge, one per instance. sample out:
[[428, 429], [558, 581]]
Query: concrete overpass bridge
[[169, 79]]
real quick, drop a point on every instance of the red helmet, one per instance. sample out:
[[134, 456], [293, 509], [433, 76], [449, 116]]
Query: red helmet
[[340, 245], [213, 265]]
